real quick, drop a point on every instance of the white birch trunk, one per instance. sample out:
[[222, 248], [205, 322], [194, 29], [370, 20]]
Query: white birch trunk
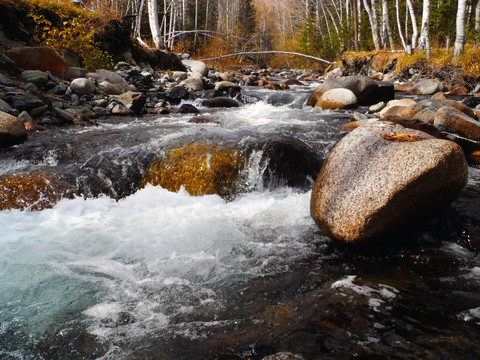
[[424, 39], [460, 28], [400, 32], [387, 30], [154, 25], [372, 17], [414, 23]]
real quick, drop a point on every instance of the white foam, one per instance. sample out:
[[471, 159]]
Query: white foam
[[149, 256]]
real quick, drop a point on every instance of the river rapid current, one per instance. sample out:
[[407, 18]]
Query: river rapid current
[[119, 272]]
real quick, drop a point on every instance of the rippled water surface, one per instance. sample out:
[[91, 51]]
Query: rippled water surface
[[152, 274]]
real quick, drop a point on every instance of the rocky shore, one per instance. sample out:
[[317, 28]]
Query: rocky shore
[[45, 94]]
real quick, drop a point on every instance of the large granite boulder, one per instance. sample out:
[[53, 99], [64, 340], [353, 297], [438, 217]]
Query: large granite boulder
[[37, 58], [12, 130], [380, 177]]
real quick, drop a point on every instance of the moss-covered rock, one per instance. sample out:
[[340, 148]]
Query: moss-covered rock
[[200, 167], [31, 191]]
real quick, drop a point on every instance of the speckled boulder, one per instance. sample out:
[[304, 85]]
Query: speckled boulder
[[379, 177]]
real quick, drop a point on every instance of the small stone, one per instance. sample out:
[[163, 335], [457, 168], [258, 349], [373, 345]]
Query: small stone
[[377, 107], [25, 117]]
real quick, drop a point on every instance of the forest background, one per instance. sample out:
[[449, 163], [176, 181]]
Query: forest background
[[442, 29]]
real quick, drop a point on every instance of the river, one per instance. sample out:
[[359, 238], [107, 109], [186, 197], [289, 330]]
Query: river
[[127, 273]]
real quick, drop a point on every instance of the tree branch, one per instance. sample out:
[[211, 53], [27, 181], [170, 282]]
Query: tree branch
[[269, 52]]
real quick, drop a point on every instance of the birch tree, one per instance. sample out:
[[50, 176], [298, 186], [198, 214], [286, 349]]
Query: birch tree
[[424, 39], [411, 11], [154, 24], [372, 17], [460, 28]]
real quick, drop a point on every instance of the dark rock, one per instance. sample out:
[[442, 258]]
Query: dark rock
[[60, 89], [471, 101], [7, 64], [12, 130], [25, 117], [26, 102], [176, 94], [73, 72], [37, 77], [203, 120], [5, 80], [289, 162], [361, 86], [384, 91], [39, 111], [220, 102], [188, 109]]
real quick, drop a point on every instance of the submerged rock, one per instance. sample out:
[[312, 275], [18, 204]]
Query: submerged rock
[[12, 130], [201, 168], [221, 101], [31, 192], [379, 177], [289, 161]]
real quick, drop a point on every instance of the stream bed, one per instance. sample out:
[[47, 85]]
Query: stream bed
[[119, 272]]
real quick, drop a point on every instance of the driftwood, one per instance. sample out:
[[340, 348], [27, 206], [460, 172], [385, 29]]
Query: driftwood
[[269, 52]]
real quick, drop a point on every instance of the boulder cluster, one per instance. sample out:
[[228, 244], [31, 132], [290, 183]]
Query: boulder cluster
[[403, 160]]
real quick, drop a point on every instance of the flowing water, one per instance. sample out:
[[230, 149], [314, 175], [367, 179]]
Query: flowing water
[[122, 273]]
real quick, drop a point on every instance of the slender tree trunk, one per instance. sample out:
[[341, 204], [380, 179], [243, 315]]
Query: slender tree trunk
[[424, 39], [153, 21], [355, 24], [372, 17], [400, 32], [138, 20], [460, 28], [196, 25], [411, 10], [387, 29], [477, 16]]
